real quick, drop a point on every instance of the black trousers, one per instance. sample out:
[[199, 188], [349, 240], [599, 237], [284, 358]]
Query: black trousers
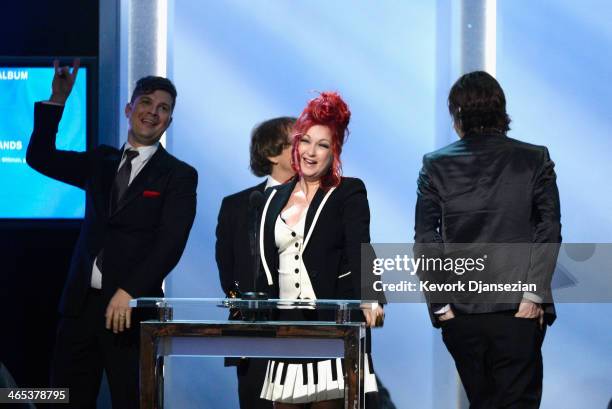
[[84, 348], [498, 358], [251, 373]]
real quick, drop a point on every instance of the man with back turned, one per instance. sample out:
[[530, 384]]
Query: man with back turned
[[140, 206], [489, 188]]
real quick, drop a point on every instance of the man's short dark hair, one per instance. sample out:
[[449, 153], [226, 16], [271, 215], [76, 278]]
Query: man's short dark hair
[[269, 138], [150, 84], [477, 104]]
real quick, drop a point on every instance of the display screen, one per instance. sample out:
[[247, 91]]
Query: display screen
[[25, 193]]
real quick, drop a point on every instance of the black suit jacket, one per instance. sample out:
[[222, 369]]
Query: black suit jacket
[[235, 248], [488, 188], [144, 237], [236, 241], [333, 253]]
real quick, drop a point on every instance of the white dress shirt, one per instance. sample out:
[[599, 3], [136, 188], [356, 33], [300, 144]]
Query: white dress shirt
[[271, 182]]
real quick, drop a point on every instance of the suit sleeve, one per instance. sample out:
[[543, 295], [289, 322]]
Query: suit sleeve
[[42, 155], [547, 231], [224, 253], [356, 223], [427, 226], [175, 223]]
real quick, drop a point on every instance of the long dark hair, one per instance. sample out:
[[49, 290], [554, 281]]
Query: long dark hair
[[477, 104]]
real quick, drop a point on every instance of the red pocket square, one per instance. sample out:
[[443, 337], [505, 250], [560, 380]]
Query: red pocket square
[[150, 193]]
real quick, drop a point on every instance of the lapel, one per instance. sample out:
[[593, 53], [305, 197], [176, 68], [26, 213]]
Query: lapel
[[312, 209], [156, 166], [277, 198], [281, 198], [106, 173], [262, 186], [280, 201]]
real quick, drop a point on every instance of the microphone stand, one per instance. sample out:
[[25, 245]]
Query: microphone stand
[[254, 313]]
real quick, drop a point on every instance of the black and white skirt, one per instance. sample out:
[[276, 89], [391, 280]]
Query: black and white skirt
[[288, 382]]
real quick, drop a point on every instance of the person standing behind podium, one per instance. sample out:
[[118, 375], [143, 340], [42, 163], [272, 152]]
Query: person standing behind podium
[[270, 156], [313, 229], [140, 206]]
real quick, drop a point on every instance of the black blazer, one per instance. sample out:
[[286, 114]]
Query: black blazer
[[236, 241], [332, 255], [143, 239], [488, 188]]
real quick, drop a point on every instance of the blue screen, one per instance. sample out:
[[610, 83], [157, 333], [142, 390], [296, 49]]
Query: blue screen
[[25, 193]]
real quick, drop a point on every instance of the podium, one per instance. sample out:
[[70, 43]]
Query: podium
[[255, 335]]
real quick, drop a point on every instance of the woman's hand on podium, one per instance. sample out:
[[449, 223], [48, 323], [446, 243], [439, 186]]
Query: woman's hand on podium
[[374, 315]]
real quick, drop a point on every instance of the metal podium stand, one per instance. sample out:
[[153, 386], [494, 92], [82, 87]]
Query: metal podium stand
[[255, 337]]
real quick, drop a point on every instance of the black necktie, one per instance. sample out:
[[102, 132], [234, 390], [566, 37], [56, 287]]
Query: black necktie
[[120, 185], [122, 179]]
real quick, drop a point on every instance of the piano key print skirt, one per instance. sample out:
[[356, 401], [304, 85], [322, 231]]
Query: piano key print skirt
[[287, 382]]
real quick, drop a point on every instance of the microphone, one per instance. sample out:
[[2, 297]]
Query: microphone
[[253, 312], [256, 201]]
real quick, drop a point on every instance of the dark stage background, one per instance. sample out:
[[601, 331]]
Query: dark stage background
[[35, 255]]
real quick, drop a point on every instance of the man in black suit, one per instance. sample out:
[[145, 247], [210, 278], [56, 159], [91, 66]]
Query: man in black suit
[[236, 238], [140, 206], [488, 188]]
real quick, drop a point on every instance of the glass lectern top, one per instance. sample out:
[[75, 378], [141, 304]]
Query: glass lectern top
[[342, 305]]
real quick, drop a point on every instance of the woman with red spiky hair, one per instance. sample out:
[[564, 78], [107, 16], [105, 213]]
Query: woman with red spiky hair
[[313, 228]]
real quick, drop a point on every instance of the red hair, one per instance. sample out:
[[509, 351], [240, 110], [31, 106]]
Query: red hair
[[328, 109]]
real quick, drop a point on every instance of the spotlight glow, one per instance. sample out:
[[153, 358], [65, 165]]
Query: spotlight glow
[[162, 46], [490, 36]]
